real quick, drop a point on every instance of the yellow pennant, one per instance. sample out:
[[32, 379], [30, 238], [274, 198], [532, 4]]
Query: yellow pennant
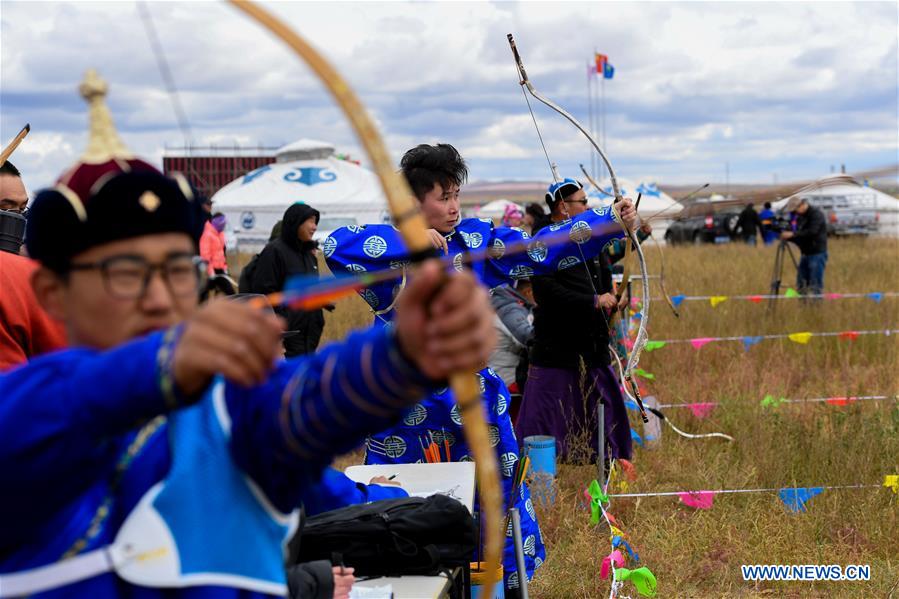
[[891, 481], [800, 337], [717, 299]]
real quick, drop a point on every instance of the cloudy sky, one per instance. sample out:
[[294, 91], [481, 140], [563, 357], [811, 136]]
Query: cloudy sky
[[774, 90]]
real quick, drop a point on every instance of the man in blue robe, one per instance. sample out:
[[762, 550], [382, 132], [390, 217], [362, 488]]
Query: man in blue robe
[[166, 453], [435, 174]]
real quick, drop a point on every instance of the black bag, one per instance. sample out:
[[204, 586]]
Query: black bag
[[245, 284], [392, 537]]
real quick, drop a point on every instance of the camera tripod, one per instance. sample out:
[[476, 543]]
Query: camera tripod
[[782, 248]]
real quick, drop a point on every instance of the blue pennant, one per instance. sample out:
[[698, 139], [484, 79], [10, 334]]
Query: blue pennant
[[617, 541], [631, 405], [677, 300], [795, 499], [876, 296], [635, 437], [249, 177], [749, 342], [310, 175]]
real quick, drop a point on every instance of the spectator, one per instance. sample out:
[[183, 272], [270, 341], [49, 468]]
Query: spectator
[[293, 253], [811, 237], [25, 329], [212, 245], [769, 231], [515, 330], [513, 216], [534, 218], [748, 225]]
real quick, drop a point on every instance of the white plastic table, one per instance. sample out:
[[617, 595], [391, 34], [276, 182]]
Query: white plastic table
[[421, 479]]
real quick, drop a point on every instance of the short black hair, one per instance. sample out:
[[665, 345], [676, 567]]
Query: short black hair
[[767, 204], [535, 210], [424, 166], [9, 168]]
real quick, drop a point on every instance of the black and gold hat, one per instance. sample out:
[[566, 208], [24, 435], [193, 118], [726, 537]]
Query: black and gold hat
[[108, 195]]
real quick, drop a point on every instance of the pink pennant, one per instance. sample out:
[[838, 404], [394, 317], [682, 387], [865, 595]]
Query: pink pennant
[[849, 335], [701, 500], [629, 344], [702, 410], [756, 299], [615, 557], [700, 341], [839, 401], [833, 295]]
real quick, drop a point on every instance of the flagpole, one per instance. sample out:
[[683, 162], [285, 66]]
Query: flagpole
[[590, 113]]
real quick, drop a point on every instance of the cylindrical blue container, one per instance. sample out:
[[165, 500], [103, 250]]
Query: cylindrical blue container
[[542, 451]]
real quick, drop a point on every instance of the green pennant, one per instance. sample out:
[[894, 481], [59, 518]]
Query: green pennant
[[642, 578], [772, 402], [646, 375], [597, 497], [653, 345], [791, 292]]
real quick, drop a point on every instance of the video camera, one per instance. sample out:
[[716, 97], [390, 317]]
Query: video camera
[[12, 231]]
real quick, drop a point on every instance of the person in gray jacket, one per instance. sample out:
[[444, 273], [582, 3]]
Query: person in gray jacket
[[514, 323]]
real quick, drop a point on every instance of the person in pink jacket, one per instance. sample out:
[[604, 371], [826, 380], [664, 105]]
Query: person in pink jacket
[[212, 245]]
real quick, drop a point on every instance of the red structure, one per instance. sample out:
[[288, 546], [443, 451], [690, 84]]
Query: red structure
[[209, 168]]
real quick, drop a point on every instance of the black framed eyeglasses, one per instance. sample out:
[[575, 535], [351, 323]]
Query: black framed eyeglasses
[[127, 277], [583, 201]]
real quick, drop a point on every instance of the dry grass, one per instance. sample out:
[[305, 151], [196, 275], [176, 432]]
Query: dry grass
[[699, 553]]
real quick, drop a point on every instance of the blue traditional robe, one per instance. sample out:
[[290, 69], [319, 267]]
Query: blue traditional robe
[[87, 435], [375, 247]]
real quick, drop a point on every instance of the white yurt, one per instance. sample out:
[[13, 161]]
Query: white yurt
[[304, 171], [654, 203], [847, 189]]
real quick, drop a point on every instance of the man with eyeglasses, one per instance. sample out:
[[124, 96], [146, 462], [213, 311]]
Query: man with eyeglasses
[[571, 337], [25, 329], [165, 455]]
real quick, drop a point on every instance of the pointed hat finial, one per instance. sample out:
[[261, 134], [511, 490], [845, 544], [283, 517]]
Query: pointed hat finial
[[103, 141]]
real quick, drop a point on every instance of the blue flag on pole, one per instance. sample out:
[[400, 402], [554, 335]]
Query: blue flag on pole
[[608, 70]]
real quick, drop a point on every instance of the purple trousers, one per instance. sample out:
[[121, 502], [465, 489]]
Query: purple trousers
[[561, 403]]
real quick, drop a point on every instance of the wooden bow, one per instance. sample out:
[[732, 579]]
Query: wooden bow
[[407, 217]]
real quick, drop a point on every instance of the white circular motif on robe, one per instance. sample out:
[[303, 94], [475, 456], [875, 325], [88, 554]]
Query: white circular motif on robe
[[355, 268], [394, 446], [416, 415], [513, 580], [441, 436], [601, 211], [457, 262], [501, 404], [556, 226], [354, 228], [371, 298], [486, 220], [537, 251], [521, 272], [580, 232], [456, 415], [493, 433], [474, 240], [374, 246], [329, 245], [482, 384], [466, 458], [530, 545], [529, 506], [509, 528], [568, 262], [497, 249], [537, 562], [524, 233], [507, 462]]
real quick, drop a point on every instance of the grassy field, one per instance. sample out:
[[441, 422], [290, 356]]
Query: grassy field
[[697, 553]]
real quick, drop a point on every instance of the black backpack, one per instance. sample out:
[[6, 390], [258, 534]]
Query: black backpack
[[247, 274], [392, 537]]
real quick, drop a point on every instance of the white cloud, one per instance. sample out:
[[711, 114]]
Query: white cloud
[[804, 85]]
